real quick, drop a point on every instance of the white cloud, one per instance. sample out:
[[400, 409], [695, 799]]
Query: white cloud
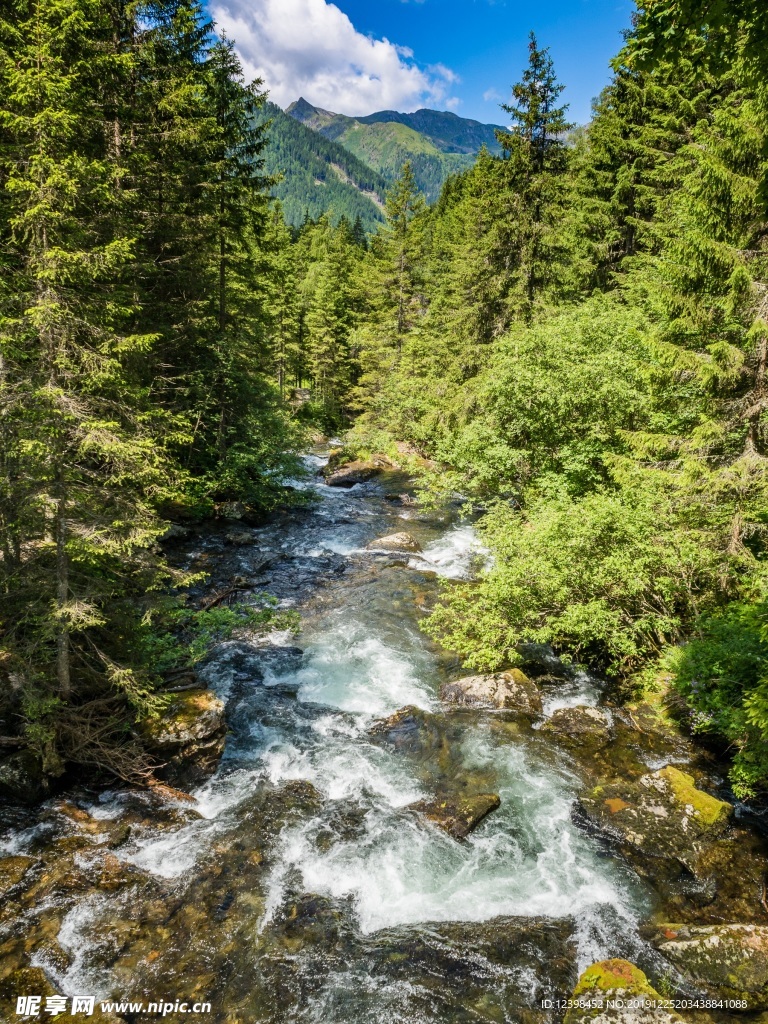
[[452, 102], [310, 48], [492, 94]]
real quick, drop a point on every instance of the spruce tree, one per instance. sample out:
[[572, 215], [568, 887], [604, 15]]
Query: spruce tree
[[80, 548], [537, 161]]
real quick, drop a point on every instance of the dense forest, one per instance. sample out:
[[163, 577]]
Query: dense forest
[[575, 334]]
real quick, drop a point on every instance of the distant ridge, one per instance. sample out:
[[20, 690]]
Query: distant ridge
[[449, 132], [437, 143]]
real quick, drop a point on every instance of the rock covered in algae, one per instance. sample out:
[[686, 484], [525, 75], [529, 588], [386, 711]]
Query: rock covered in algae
[[661, 816], [189, 737], [728, 961], [12, 871], [617, 991], [357, 472], [509, 691], [460, 814], [585, 729], [396, 542]]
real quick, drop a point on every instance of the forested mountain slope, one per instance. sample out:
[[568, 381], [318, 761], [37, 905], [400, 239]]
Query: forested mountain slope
[[449, 132], [319, 176], [388, 140]]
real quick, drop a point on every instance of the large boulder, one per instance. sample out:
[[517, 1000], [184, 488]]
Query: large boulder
[[188, 738], [458, 815], [582, 729], [614, 991], [661, 817], [509, 691], [357, 472], [728, 961], [395, 542], [22, 778]]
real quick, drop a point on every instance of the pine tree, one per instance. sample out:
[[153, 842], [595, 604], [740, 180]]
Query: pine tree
[[331, 315], [537, 161], [80, 547]]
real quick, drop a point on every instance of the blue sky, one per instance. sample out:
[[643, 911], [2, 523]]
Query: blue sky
[[484, 42], [357, 56]]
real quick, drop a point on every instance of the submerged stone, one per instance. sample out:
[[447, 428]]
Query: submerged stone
[[617, 990], [309, 919], [396, 542], [728, 961], [585, 729], [238, 537], [458, 815], [12, 871], [509, 691], [411, 730]]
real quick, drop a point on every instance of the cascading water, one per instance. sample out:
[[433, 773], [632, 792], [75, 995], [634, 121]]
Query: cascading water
[[402, 918]]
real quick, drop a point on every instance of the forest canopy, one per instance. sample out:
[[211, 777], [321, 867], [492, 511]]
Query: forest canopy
[[575, 334]]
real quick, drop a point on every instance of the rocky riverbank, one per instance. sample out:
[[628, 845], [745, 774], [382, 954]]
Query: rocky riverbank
[[386, 837]]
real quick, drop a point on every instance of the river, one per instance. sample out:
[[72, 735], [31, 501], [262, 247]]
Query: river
[[300, 887]]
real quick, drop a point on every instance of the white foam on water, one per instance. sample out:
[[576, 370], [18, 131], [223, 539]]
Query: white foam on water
[[581, 690], [526, 859], [82, 935], [343, 771], [453, 556], [175, 853], [21, 842], [353, 669]]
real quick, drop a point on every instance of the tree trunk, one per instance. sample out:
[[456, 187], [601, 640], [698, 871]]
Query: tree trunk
[[62, 597], [754, 440]]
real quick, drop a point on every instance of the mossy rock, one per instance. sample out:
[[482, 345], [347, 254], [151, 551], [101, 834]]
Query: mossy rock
[[710, 813], [617, 991], [728, 961], [661, 816], [191, 717], [189, 738], [352, 473]]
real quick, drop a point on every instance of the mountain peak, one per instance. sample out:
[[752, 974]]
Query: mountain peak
[[302, 109]]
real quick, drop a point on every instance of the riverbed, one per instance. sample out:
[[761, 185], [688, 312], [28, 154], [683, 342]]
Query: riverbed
[[300, 886]]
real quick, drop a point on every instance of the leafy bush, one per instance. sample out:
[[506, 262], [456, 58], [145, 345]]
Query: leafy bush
[[607, 577], [722, 674]]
